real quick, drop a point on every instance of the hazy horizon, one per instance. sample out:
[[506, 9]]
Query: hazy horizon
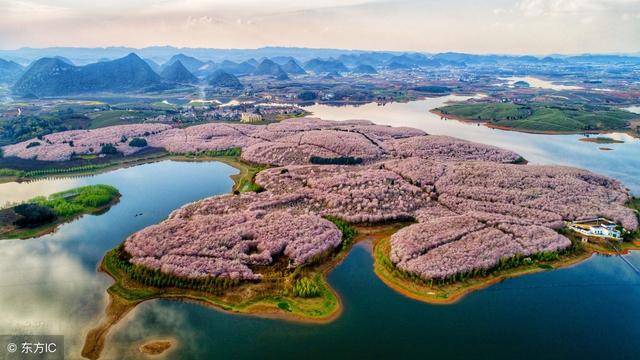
[[536, 27], [186, 48]]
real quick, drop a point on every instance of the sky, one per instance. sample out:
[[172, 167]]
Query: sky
[[487, 26]]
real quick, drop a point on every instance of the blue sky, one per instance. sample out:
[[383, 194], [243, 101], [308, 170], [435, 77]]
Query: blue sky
[[490, 26]]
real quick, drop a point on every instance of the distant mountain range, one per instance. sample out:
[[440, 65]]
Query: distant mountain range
[[161, 54], [58, 76], [54, 77], [280, 55]]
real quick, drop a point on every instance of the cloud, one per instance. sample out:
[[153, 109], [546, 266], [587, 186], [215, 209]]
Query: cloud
[[24, 10], [574, 7], [503, 26]]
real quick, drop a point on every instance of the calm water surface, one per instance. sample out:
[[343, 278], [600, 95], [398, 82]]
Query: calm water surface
[[539, 83], [50, 285]]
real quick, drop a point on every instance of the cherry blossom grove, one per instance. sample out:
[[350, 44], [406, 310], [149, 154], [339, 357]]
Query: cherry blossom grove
[[284, 143], [469, 205]]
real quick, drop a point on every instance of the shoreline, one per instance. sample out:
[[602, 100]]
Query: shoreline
[[451, 293], [528, 131], [120, 163], [132, 161], [601, 140], [157, 347]]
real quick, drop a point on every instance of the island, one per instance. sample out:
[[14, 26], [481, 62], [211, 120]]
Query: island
[[445, 216], [43, 215], [601, 140], [543, 117], [156, 347]]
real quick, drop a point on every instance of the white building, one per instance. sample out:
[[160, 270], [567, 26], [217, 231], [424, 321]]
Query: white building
[[597, 228]]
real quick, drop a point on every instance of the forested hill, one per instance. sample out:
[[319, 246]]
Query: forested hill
[[54, 77]]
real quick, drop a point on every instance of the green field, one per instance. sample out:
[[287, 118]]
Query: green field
[[538, 117], [119, 117], [161, 105]]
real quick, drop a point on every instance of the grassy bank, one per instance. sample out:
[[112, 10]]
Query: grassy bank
[[42, 215], [273, 296], [542, 118]]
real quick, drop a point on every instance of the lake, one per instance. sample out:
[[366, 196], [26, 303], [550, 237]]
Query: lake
[[622, 163], [539, 83], [50, 284]]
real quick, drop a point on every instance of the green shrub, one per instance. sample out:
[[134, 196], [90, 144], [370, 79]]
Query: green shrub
[[348, 231], [95, 196], [138, 142], [109, 149], [306, 288], [64, 208], [33, 215], [10, 172]]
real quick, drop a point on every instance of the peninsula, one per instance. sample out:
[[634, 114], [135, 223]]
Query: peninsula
[[544, 118], [42, 215]]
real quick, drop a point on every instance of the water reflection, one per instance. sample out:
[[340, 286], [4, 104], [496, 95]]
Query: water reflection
[[50, 285]]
